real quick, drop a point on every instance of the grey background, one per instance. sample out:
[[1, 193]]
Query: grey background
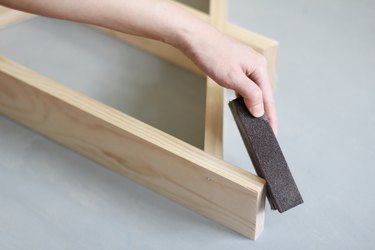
[[53, 198]]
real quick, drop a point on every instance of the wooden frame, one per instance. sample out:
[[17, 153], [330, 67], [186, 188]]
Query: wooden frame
[[213, 143], [181, 172]]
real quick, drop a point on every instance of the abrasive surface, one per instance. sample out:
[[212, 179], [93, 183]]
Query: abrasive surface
[[267, 157]]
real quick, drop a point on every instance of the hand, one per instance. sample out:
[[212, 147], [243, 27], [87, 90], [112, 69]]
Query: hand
[[228, 62], [235, 66]]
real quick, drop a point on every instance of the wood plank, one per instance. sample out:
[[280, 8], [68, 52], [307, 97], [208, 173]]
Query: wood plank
[[9, 16], [218, 13], [213, 128], [175, 169], [213, 136]]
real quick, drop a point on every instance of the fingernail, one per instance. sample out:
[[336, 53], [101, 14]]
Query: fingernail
[[257, 110]]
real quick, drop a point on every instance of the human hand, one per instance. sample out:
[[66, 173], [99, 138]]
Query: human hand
[[235, 66], [229, 63]]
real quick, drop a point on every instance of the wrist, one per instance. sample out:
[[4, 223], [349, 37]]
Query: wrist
[[182, 30], [195, 39]]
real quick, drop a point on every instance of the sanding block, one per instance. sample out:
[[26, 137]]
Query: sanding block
[[267, 157]]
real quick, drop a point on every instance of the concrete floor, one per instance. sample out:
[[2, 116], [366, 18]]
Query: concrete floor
[[53, 198]]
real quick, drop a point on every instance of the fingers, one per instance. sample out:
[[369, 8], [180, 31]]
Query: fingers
[[272, 116], [260, 77], [270, 108], [257, 93], [251, 93]]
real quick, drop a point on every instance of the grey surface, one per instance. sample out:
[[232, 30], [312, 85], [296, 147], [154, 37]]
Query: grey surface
[[52, 198], [112, 72]]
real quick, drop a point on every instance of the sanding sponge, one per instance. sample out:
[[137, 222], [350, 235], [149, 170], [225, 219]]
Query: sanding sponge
[[267, 158]]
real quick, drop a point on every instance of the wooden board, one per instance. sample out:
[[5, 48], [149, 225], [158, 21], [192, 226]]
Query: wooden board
[[253, 223], [215, 95], [181, 172], [213, 135]]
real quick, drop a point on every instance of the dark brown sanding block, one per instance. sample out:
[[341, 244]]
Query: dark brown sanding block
[[267, 158]]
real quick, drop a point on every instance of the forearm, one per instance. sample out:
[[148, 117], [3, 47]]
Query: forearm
[[229, 63], [155, 19]]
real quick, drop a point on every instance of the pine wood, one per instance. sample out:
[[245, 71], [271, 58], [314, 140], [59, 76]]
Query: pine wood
[[213, 130], [195, 179], [213, 136], [175, 169]]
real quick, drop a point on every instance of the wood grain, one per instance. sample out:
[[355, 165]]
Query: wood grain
[[181, 172], [213, 136]]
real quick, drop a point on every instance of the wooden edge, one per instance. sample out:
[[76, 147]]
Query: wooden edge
[[224, 193], [213, 136], [9, 16], [267, 47], [213, 127], [218, 13]]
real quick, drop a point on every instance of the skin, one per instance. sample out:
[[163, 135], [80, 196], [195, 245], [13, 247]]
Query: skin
[[231, 64]]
